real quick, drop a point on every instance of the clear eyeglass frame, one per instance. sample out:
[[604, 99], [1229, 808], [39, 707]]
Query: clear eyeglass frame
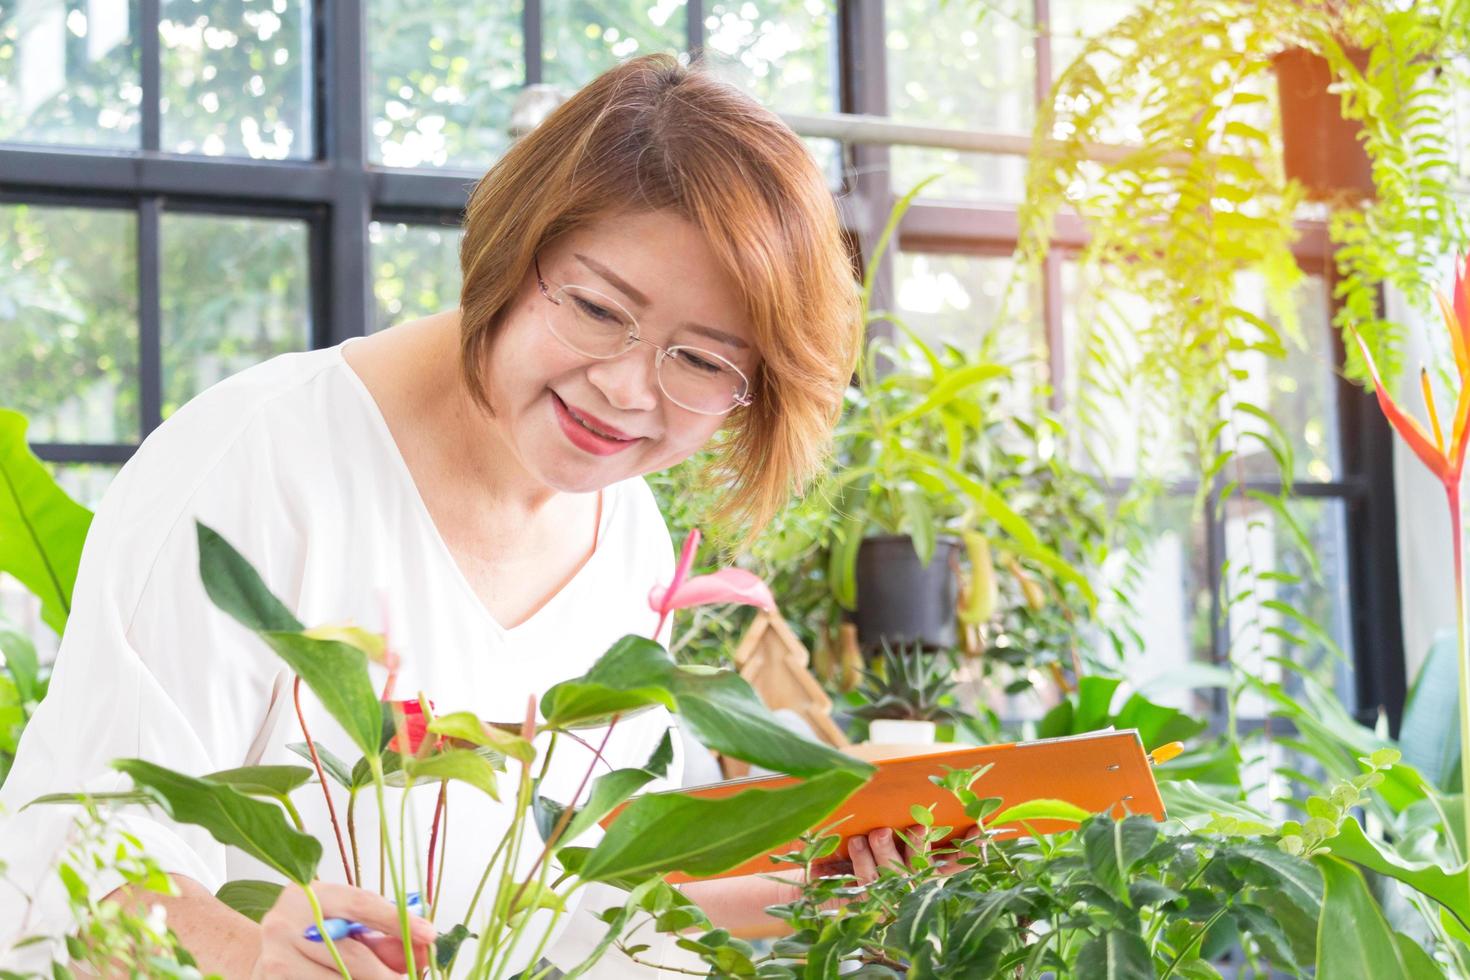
[[740, 398]]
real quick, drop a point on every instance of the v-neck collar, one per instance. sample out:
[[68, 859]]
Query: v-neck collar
[[606, 506]]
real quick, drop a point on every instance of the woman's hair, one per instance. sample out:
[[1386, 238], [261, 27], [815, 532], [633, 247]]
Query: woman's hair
[[652, 135]]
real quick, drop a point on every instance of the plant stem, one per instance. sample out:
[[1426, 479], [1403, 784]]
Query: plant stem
[[429, 891], [352, 834], [566, 814], [321, 927], [400, 899], [322, 779], [292, 812], [1452, 495]]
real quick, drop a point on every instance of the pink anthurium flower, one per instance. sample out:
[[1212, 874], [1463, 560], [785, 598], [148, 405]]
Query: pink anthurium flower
[[734, 585], [412, 729]]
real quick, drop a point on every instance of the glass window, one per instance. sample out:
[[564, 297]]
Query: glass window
[[1299, 390], [415, 271], [1258, 536], [583, 38], [1169, 605], [69, 73], [784, 53], [441, 81], [1073, 22], [964, 66], [236, 77], [234, 293], [69, 305]]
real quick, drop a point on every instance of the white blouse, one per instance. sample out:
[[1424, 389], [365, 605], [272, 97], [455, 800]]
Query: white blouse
[[292, 462]]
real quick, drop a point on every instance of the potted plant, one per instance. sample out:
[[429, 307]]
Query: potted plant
[[905, 695]]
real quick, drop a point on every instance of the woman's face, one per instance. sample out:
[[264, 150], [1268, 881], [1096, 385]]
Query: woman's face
[[576, 423]]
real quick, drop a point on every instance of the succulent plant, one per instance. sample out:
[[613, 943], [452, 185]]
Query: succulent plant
[[908, 683]]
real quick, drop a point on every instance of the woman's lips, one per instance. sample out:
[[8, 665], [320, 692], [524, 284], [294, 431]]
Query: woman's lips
[[583, 437]]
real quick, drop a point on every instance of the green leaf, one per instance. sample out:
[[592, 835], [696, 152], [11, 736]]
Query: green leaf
[[727, 715], [235, 586], [1260, 863], [263, 780], [21, 660], [1354, 941], [919, 517], [1449, 888], [1040, 810], [1115, 955], [252, 899], [258, 828], [466, 727], [675, 832], [1112, 847], [41, 528], [331, 765], [447, 944], [631, 676], [114, 798], [337, 674], [953, 384], [612, 789], [461, 765]]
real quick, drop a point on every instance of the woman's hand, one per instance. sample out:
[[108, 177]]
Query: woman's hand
[[882, 848], [286, 952]]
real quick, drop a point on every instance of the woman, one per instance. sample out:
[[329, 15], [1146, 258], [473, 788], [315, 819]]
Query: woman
[[656, 267]]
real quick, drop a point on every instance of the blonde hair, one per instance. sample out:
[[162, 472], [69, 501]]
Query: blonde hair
[[652, 135]]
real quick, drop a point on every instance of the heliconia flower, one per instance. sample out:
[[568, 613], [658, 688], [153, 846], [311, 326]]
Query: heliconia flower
[[727, 585], [1445, 461], [412, 729]]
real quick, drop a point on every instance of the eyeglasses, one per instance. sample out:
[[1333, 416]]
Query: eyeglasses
[[595, 325]]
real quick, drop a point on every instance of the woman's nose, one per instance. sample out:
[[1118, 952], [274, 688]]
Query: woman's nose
[[629, 382]]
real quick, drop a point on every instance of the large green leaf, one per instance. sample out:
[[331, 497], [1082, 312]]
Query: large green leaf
[[236, 587], [252, 899], [631, 676], [727, 715], [1430, 732], [1354, 941], [337, 674], [331, 765], [258, 828], [41, 528], [1265, 865], [263, 780], [1449, 888], [466, 727], [461, 765], [675, 832], [1115, 955], [1113, 847]]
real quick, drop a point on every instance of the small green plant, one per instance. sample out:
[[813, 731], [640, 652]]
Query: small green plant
[[909, 683]]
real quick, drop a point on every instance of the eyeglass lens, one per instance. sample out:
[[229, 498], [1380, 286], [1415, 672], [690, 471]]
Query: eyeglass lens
[[595, 325]]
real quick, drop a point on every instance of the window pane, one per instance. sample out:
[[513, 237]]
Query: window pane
[[85, 482], [1168, 604], [441, 81], [1073, 22], [784, 53], [583, 38], [415, 271], [976, 304], [1299, 390], [69, 73], [968, 66], [1257, 537], [236, 78], [234, 293], [1123, 427], [69, 306]]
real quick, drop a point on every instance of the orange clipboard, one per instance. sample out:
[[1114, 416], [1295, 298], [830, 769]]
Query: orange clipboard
[[1106, 771]]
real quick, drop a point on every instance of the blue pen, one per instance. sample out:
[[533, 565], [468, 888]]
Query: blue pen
[[340, 929]]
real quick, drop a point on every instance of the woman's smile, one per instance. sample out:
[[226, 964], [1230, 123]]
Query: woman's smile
[[588, 433]]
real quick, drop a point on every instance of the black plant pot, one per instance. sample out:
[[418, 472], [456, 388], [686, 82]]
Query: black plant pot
[[901, 600]]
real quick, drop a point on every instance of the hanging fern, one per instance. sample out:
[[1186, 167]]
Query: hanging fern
[[1199, 200]]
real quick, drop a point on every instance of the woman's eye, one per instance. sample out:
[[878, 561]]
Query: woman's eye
[[596, 312], [700, 363]]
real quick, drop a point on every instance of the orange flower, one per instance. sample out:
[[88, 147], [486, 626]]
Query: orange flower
[[1445, 462]]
